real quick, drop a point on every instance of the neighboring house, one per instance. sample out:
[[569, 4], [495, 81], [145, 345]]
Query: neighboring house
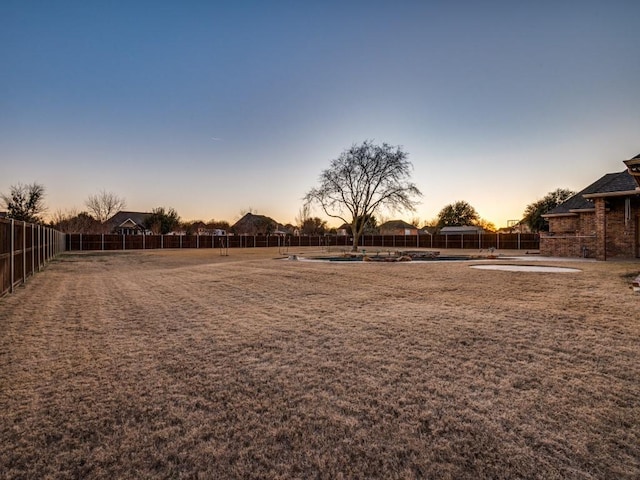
[[200, 228], [252, 224], [601, 221], [343, 230], [397, 227], [462, 229], [128, 223]]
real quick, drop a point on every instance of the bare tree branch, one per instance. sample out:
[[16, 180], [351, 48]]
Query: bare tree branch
[[104, 205]]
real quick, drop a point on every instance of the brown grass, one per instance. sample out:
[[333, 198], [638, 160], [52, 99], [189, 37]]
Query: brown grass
[[174, 364]]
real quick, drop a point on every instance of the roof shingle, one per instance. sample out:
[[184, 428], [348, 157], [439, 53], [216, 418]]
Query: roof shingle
[[609, 183]]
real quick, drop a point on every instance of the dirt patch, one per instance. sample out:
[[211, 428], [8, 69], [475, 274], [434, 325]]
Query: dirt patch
[[191, 364]]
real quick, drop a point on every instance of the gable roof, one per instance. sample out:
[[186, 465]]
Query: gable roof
[[611, 183], [254, 223], [396, 224], [122, 217]]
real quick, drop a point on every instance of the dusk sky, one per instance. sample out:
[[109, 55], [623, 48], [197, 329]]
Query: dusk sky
[[214, 107]]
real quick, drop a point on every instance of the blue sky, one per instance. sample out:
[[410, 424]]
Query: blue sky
[[214, 108]]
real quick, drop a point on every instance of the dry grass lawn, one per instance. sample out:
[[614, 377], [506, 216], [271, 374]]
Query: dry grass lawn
[[187, 364]]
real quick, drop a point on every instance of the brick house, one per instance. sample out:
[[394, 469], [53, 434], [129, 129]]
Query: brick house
[[601, 221], [397, 227]]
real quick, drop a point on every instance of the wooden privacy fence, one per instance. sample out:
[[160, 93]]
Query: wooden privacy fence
[[25, 249], [505, 241]]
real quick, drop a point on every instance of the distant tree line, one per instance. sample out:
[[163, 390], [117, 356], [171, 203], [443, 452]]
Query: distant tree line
[[362, 182]]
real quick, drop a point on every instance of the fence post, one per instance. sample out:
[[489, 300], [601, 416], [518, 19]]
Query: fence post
[[12, 262], [24, 252], [102, 241], [123, 245], [498, 241], [33, 252], [39, 242], [518, 240]]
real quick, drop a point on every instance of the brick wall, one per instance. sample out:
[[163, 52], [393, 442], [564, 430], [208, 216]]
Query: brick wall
[[621, 233], [570, 236], [601, 234], [564, 225], [568, 245], [601, 229]]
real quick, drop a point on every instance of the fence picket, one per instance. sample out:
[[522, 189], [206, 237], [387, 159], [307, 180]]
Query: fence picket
[[515, 241], [24, 250]]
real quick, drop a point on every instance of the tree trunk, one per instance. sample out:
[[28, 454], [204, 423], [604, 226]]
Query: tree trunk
[[356, 238]]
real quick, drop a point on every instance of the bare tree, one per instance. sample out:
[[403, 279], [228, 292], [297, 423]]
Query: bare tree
[[362, 180], [104, 205], [250, 210], [432, 222], [25, 202], [303, 214]]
